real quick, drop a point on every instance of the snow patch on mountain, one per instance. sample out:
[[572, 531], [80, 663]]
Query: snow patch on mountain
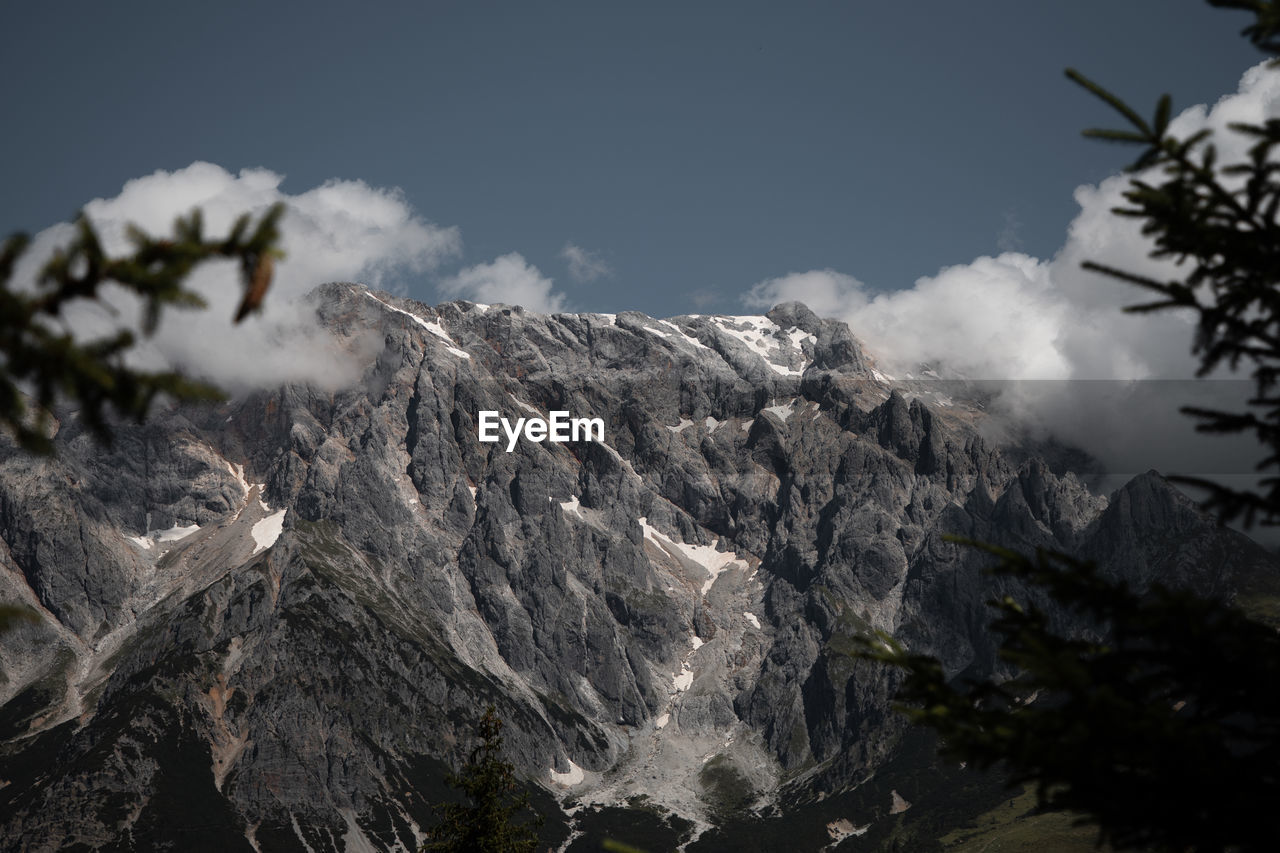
[[173, 534], [685, 336], [713, 561], [783, 411], [266, 531], [432, 326], [777, 348], [568, 779], [573, 506]]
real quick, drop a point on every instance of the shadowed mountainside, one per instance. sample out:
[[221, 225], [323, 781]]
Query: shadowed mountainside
[[271, 624]]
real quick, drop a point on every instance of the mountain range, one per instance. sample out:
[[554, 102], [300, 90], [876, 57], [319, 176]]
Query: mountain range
[[272, 624]]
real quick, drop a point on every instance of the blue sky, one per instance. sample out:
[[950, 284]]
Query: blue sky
[[696, 149]]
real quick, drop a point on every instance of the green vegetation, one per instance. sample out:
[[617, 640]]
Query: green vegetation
[[40, 355], [1020, 825], [725, 789], [490, 821], [1160, 719], [1218, 223], [13, 614], [1156, 714], [37, 698]]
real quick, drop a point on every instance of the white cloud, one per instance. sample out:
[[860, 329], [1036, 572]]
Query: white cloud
[[509, 279], [1014, 317], [339, 231], [988, 319], [827, 292], [583, 265]]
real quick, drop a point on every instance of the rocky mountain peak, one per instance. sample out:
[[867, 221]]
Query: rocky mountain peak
[[283, 613]]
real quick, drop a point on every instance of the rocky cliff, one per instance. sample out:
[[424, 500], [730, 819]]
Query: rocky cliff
[[271, 624]]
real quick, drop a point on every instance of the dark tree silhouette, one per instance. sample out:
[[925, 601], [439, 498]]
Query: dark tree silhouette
[[1159, 720], [1218, 223], [41, 360], [488, 821]]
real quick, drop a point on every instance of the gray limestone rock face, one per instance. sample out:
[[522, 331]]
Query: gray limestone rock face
[[284, 614]]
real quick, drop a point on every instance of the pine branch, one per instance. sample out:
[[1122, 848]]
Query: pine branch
[[47, 366]]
